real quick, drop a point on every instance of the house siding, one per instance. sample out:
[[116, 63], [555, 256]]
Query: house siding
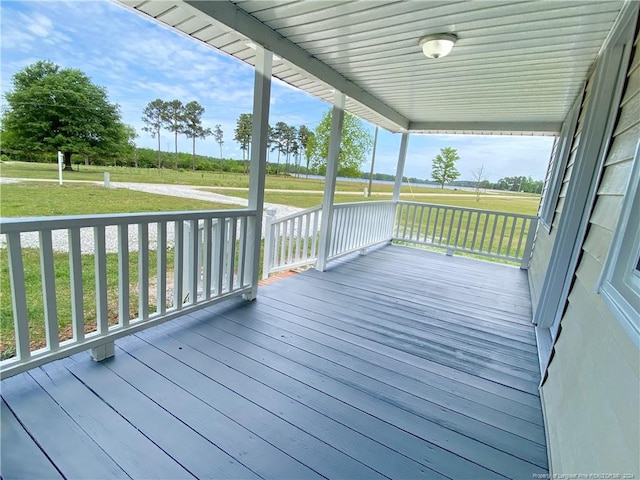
[[592, 391], [546, 238]]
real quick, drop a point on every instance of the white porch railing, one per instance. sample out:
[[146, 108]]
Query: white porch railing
[[499, 235], [360, 225], [290, 241], [208, 266]]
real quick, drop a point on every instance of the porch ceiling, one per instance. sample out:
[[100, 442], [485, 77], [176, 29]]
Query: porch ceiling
[[516, 68]]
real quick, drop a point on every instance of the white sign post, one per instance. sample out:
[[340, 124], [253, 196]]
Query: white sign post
[[60, 164]]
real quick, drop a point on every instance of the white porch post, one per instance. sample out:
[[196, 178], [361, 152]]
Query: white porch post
[[400, 168], [337, 118], [261, 99]]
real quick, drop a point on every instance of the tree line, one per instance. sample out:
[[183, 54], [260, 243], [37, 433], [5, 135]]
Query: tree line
[[293, 143], [53, 109], [178, 118]]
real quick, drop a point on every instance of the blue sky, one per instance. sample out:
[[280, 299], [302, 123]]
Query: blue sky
[[137, 60]]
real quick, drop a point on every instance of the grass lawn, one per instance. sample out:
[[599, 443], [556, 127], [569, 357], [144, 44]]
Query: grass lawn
[[526, 205], [29, 199], [49, 171]]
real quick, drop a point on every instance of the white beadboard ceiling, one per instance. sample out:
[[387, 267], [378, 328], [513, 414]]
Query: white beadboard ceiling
[[516, 68]]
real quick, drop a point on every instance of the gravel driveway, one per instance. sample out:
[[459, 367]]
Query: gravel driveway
[[61, 240]]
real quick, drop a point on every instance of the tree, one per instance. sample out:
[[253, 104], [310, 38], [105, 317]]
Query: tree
[[59, 109], [277, 139], [355, 144], [218, 136], [128, 146], [306, 138], [444, 166], [243, 132], [480, 177], [173, 120], [152, 116], [192, 127], [290, 144], [244, 129]]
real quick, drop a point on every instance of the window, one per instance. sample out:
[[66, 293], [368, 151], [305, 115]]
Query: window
[[620, 280], [558, 164]]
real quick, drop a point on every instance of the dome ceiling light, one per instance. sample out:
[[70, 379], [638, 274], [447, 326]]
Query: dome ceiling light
[[438, 45]]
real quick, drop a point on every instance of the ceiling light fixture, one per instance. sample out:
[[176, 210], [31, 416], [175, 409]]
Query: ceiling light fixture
[[438, 45]]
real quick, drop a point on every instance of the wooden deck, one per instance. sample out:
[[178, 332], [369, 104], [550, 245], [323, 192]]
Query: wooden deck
[[400, 364]]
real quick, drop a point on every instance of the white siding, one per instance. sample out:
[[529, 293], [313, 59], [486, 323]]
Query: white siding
[[591, 396], [544, 239]]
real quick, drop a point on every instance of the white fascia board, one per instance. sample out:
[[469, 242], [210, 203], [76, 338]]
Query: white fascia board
[[488, 128], [237, 19]]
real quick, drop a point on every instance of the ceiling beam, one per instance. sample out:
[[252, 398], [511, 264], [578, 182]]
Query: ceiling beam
[[237, 19], [513, 128]]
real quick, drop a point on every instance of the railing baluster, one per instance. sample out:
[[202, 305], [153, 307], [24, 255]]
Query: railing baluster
[[18, 297], [351, 229], [513, 229], [347, 226], [419, 227], [231, 267], [161, 268], [299, 239], [75, 274], [220, 254], [143, 271], [178, 268], [444, 222], [406, 220], [493, 232], [305, 247], [206, 261], [484, 232], [48, 274], [215, 241], [459, 228], [314, 243], [242, 251], [413, 221], [206, 258], [451, 221], [100, 261], [467, 228], [504, 225], [475, 232], [123, 275], [292, 225], [428, 225], [193, 265], [523, 229], [283, 244]]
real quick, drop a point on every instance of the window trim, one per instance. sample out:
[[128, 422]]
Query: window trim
[[558, 163], [619, 283]]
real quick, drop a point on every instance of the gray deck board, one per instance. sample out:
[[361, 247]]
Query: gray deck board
[[12, 460], [398, 364]]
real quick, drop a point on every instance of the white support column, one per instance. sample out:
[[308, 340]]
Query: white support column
[[261, 100], [337, 118], [400, 168]]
